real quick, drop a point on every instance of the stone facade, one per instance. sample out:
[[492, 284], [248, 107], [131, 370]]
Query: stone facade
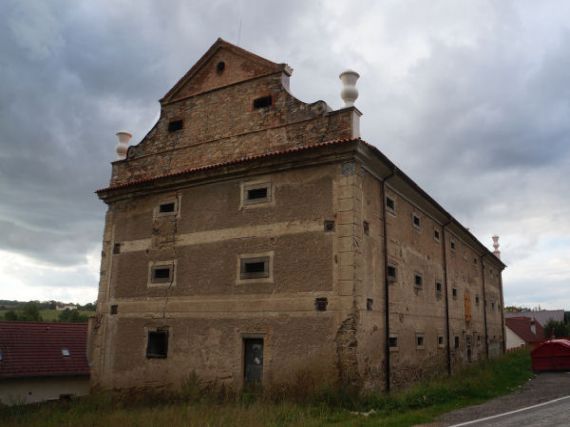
[[238, 174]]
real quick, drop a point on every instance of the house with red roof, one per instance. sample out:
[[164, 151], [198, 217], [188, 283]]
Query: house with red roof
[[523, 331], [42, 361]]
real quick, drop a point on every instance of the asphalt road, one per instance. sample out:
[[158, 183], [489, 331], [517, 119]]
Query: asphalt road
[[542, 389], [552, 414]]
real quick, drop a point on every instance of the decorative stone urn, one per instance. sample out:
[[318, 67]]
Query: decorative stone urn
[[349, 93], [123, 144]]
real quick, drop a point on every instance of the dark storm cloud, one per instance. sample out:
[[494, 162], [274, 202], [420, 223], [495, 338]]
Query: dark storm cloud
[[470, 98]]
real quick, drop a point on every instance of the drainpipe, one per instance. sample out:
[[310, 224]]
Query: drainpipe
[[447, 328], [485, 307], [504, 346], [386, 285]]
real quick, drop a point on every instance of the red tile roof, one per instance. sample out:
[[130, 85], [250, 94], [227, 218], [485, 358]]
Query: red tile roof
[[522, 327], [34, 349], [231, 162]]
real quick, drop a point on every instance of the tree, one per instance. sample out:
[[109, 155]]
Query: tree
[[556, 329], [10, 315], [31, 312], [72, 316]]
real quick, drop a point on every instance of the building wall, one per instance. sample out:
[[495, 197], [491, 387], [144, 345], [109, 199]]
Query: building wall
[[513, 340], [31, 390], [207, 310]]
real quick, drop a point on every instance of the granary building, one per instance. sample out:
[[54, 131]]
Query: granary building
[[250, 235]]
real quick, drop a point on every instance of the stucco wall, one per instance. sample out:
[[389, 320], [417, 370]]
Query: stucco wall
[[31, 390]]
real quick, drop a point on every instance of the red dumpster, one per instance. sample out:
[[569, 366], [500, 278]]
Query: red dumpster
[[552, 355]]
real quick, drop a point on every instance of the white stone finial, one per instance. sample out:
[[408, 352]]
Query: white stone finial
[[123, 144], [349, 93], [496, 252]]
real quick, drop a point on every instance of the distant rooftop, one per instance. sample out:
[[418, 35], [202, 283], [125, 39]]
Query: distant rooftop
[[542, 316]]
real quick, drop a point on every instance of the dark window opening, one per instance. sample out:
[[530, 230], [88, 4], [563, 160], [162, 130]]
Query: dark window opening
[[366, 227], [418, 280], [436, 235], [474, 260], [393, 342], [329, 225], [492, 306], [167, 207], [452, 245], [257, 193], [390, 204], [369, 304], [391, 270], [419, 340], [114, 309], [254, 268], [157, 344], [456, 342], [440, 341], [438, 287], [477, 299], [116, 248], [416, 220], [220, 67], [161, 274], [321, 304], [454, 292], [175, 125], [263, 102]]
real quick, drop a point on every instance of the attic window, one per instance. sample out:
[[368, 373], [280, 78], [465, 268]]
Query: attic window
[[220, 67], [452, 243], [436, 235], [263, 102], [65, 352], [257, 193], [175, 125]]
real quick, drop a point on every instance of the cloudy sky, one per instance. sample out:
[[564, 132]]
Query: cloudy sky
[[470, 98]]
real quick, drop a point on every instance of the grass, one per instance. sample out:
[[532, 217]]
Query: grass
[[419, 404]]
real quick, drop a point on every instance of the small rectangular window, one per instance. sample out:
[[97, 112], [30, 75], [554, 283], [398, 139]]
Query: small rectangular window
[[419, 341], [65, 352], [418, 280], [438, 287], [454, 292], [329, 226], [369, 304], [161, 274], [116, 248], [452, 244], [440, 341], [366, 227], [256, 193], [321, 304], [114, 309], [456, 342], [492, 306], [391, 270], [157, 344], [436, 235], [263, 102], [474, 260], [416, 221], [175, 125], [393, 342], [390, 205], [254, 268], [167, 207], [477, 299]]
